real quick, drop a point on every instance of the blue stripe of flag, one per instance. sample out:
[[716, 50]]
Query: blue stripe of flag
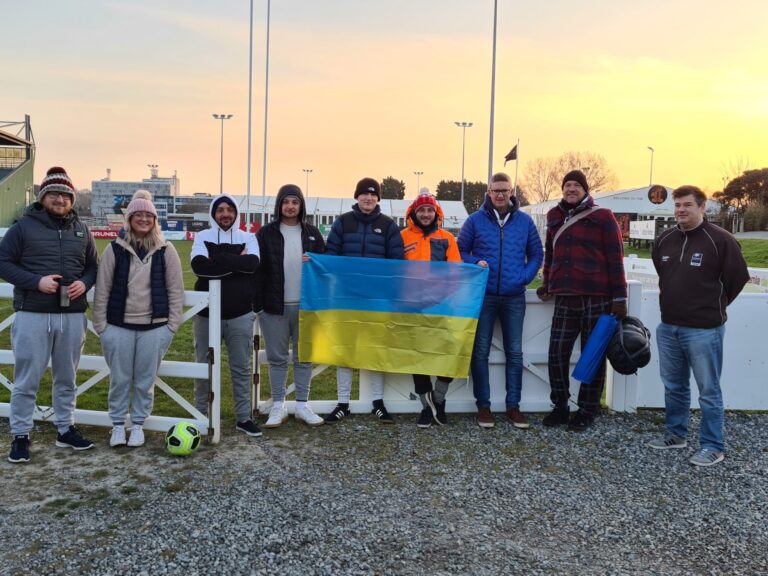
[[400, 286]]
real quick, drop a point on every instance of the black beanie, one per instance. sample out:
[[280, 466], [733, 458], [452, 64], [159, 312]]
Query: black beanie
[[368, 185], [576, 176]]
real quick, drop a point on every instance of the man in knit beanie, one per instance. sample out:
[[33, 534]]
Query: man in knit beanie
[[584, 271], [50, 258]]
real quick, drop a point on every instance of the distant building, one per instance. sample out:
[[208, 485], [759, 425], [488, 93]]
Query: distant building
[[111, 196], [17, 165]]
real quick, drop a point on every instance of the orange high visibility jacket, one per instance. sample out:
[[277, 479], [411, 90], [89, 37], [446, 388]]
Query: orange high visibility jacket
[[435, 244]]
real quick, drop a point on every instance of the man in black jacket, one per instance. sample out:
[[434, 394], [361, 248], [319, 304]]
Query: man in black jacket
[[284, 244], [701, 271], [231, 255], [51, 260]]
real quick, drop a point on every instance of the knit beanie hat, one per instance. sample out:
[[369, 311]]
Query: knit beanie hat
[[368, 185], [56, 180], [576, 176], [141, 202], [423, 200]]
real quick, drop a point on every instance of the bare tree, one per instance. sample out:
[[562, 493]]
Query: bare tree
[[543, 176], [734, 168], [540, 179], [599, 176]]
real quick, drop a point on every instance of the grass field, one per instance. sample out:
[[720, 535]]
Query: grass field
[[323, 386]]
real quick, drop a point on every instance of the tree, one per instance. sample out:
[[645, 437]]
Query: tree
[[392, 188], [749, 189], [193, 207], [543, 176], [474, 192], [83, 203]]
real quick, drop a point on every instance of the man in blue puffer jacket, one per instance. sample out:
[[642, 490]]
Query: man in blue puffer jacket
[[503, 239], [366, 233]]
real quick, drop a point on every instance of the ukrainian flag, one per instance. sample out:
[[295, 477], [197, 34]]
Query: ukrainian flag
[[405, 316]]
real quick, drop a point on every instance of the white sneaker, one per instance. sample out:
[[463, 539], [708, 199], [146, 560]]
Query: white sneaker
[[118, 436], [305, 414], [277, 416], [137, 436]]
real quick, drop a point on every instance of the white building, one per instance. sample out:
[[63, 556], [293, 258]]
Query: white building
[[107, 194]]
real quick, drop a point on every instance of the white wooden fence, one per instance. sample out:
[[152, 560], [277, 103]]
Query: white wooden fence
[[208, 425]]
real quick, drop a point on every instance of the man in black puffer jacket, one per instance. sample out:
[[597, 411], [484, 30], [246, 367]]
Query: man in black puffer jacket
[[284, 244], [51, 260], [367, 233]]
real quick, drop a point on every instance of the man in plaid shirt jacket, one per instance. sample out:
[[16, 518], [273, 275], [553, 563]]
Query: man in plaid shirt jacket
[[584, 271]]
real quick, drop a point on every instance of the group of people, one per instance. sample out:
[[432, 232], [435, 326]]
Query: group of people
[[50, 258]]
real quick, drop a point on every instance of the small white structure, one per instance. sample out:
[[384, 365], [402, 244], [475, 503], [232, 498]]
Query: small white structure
[[323, 211]]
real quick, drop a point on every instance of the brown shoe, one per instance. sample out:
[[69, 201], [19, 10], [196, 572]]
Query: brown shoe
[[518, 419], [485, 418]]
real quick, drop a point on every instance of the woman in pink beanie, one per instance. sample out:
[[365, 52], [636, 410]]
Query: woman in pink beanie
[[137, 310]]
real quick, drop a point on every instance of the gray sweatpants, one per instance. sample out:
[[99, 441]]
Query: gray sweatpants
[[279, 331], [37, 337], [238, 338], [344, 383], [133, 357]]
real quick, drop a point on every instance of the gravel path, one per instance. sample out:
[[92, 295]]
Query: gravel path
[[363, 498]]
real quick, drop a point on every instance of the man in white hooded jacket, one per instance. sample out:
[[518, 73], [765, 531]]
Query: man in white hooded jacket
[[224, 252]]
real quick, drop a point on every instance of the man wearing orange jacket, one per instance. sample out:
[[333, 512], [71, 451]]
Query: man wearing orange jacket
[[424, 239]]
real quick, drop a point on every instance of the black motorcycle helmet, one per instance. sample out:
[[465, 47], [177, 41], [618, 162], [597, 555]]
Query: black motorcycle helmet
[[630, 347]]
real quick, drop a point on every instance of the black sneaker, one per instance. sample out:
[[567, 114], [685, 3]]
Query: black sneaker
[[73, 439], [557, 417], [339, 413], [431, 403], [580, 421], [440, 417], [19, 449], [248, 427], [425, 420], [380, 411]]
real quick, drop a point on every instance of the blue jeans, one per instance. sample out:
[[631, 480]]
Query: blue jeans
[[681, 350], [510, 310]]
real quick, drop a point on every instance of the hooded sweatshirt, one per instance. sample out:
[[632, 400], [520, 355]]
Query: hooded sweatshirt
[[231, 256], [270, 291], [431, 243]]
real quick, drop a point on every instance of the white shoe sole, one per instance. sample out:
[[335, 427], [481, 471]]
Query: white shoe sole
[[65, 445], [310, 424], [276, 424]]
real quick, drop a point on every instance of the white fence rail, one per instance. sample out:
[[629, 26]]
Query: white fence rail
[[208, 425], [745, 386]]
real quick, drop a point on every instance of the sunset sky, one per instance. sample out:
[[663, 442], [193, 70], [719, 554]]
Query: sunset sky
[[373, 88]]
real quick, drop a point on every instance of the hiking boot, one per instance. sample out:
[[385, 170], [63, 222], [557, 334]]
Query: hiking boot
[[425, 420], [73, 439], [305, 414], [668, 443], [278, 415], [707, 457], [518, 419], [380, 411], [19, 449], [485, 418], [580, 421], [440, 417], [339, 413], [137, 437], [118, 436], [248, 427], [557, 417]]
